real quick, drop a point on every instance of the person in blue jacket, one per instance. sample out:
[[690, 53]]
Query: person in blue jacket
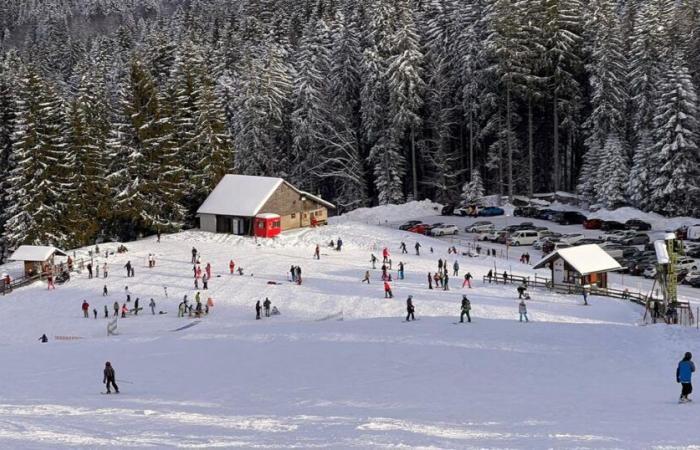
[[684, 373]]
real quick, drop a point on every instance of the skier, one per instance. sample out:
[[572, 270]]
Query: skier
[[231, 266], [410, 309], [440, 265], [298, 274], [104, 270], [106, 312], [445, 281], [128, 268], [403, 248], [385, 255], [89, 269], [152, 304], [466, 307], [44, 339], [104, 291], [136, 306], [293, 272], [366, 278], [86, 307], [384, 274], [116, 309], [94, 312], [455, 268], [205, 281], [467, 280], [197, 298], [110, 378], [489, 275], [257, 310], [267, 303], [339, 244], [317, 252], [181, 309], [165, 291], [437, 277], [387, 290], [522, 309], [373, 260], [585, 296], [684, 373], [207, 269], [521, 291], [194, 255], [400, 270], [430, 281], [505, 277], [417, 246]]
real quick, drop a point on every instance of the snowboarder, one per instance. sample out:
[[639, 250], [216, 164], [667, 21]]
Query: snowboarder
[[89, 269], [127, 266], [231, 266], [257, 310], [152, 304], [104, 291], [466, 307], [684, 373], [86, 307], [373, 260], [521, 291], [44, 339], [455, 269], [387, 290], [403, 248], [417, 246], [401, 270], [522, 309], [410, 309], [104, 270], [317, 252], [194, 255], [116, 309], [110, 378], [385, 255], [467, 280], [266, 304], [136, 306], [430, 281], [366, 278], [106, 312]]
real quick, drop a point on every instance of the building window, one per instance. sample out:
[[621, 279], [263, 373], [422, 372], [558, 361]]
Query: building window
[[276, 224], [294, 215], [261, 225]]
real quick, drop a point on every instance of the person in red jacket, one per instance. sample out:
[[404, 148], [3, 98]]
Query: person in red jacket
[[231, 266], [86, 307], [387, 290], [208, 270], [385, 254]]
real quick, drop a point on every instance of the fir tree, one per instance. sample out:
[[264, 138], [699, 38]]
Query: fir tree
[[613, 172], [473, 191]]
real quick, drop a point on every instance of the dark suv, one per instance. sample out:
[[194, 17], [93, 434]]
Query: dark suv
[[569, 218]]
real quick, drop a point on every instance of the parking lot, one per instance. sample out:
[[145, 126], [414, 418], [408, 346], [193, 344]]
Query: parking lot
[[465, 241]]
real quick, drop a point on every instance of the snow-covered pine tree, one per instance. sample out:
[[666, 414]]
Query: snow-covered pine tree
[[613, 173], [36, 199], [7, 119], [639, 184], [675, 175], [473, 190]]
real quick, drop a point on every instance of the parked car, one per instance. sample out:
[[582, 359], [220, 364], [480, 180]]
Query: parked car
[[523, 237], [695, 282], [592, 224], [409, 224], [447, 210], [609, 225], [482, 225], [421, 228], [444, 230], [639, 238], [496, 236], [693, 251], [491, 211], [691, 276], [560, 245], [525, 211], [613, 236], [586, 241], [569, 218], [543, 243], [544, 214], [686, 263], [639, 225], [430, 227], [649, 271], [572, 238]]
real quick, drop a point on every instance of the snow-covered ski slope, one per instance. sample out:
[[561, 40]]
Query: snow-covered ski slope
[[574, 377]]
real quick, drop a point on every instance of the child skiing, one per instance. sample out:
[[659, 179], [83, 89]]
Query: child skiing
[[231, 266], [110, 378], [86, 307], [684, 373]]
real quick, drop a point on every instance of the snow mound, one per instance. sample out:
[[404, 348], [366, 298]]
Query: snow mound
[[390, 213]]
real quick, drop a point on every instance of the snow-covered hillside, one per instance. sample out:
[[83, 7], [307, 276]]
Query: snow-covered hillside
[[575, 376]]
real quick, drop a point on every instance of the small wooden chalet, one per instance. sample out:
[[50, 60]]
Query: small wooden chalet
[[584, 265], [241, 203], [37, 258]]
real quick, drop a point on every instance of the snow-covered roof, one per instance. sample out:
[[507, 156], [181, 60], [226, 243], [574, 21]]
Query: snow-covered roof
[[244, 195], [35, 253], [585, 259], [268, 216], [239, 195]]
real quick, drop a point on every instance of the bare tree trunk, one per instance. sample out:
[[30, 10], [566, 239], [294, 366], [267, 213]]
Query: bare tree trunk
[[510, 146], [530, 149], [413, 164], [471, 144], [555, 146]]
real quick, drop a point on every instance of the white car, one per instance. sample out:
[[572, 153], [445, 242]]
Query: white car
[[444, 229], [649, 272], [614, 235], [572, 238], [478, 227], [686, 263]]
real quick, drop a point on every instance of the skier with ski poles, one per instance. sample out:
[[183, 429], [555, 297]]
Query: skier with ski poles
[[466, 307], [109, 378]]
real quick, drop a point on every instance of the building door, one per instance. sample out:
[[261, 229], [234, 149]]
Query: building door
[[223, 224], [238, 226]]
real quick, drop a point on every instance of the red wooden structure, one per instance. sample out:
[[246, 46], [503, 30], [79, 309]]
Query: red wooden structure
[[267, 225]]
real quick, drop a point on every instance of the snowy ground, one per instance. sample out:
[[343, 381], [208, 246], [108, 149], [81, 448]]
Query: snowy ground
[[575, 377]]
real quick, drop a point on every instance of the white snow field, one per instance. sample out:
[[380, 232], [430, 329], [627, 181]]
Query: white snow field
[[574, 377]]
